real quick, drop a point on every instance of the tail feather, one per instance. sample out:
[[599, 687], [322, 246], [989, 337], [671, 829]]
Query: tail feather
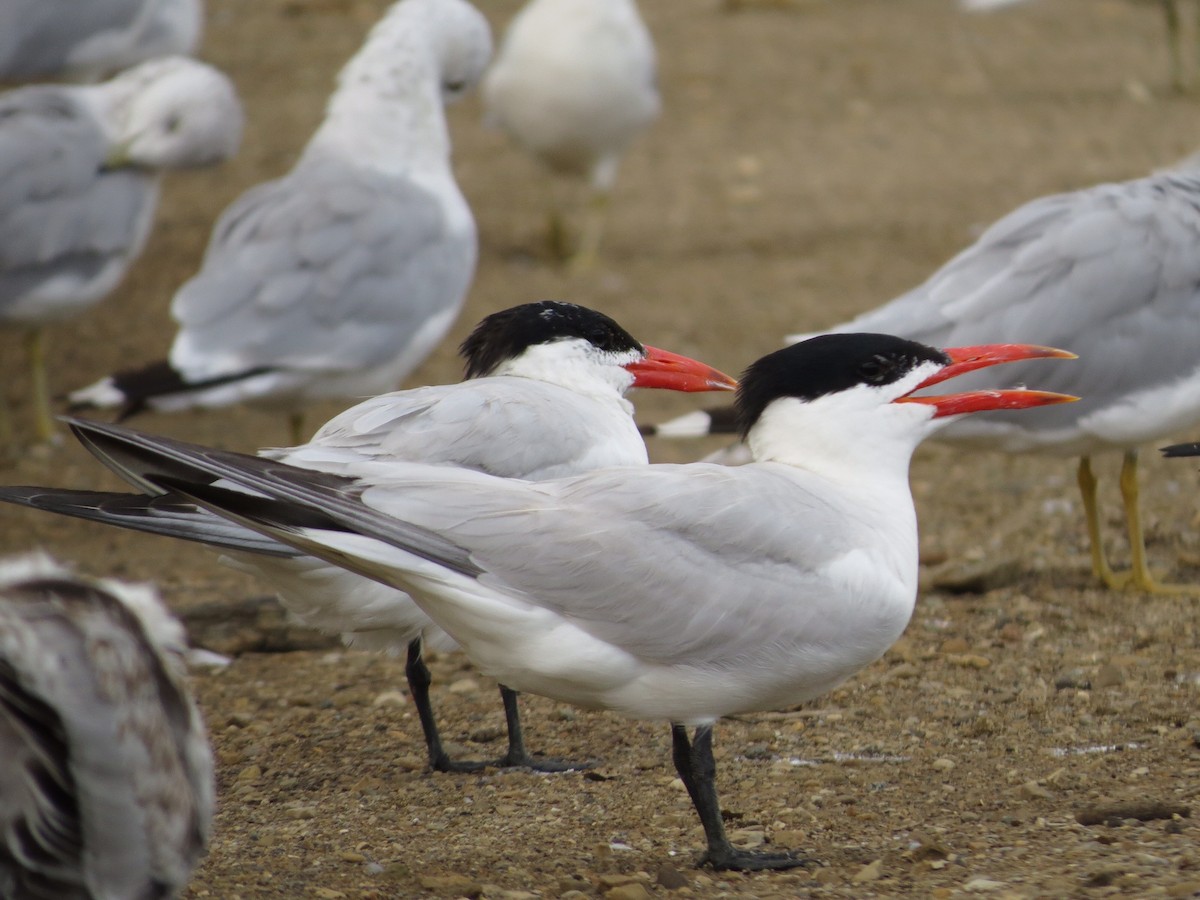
[[265, 489], [135, 390], [166, 515], [701, 423]]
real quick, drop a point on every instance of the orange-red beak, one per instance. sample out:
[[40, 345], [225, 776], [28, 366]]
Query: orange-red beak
[[968, 359], [670, 371]]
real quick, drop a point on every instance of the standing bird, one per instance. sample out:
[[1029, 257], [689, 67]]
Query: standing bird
[[574, 83], [79, 186], [1110, 272], [544, 398], [338, 279], [106, 789], [41, 39], [683, 593]]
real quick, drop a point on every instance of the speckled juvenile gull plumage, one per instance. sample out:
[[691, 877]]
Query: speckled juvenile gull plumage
[[79, 183], [106, 789], [574, 82], [338, 279], [87, 40]]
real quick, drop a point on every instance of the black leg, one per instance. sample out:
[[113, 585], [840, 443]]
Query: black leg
[[698, 770], [419, 680], [517, 755]]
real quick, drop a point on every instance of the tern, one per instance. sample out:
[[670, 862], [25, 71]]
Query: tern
[[340, 278], [677, 592], [106, 790], [544, 397], [1110, 272]]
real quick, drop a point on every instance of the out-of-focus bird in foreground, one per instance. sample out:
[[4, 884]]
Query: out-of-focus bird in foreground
[[683, 593], [544, 398], [340, 278], [51, 39], [79, 187], [574, 82], [106, 789]]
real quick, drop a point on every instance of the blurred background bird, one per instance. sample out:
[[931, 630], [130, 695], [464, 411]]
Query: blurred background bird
[[1109, 272], [338, 279], [107, 784], [51, 39], [574, 83], [79, 188]]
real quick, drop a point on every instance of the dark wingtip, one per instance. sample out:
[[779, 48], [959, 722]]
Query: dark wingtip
[[1192, 449]]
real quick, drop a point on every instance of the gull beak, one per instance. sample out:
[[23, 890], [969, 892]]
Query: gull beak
[[968, 359], [670, 371]]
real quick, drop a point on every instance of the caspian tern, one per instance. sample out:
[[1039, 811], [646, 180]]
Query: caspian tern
[[544, 398], [106, 790], [340, 278], [685, 593], [81, 170], [1110, 272], [574, 82]]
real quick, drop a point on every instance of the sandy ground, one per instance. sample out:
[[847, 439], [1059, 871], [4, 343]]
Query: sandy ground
[[814, 159]]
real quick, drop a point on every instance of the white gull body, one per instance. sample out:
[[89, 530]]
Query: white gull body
[[106, 790], [574, 83], [338, 279]]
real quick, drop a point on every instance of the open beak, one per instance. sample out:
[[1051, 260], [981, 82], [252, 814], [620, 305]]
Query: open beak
[[968, 359], [670, 371]]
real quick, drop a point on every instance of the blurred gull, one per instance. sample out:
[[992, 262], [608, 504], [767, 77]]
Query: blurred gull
[[1110, 272], [79, 186], [87, 40], [106, 790], [338, 279], [574, 83]]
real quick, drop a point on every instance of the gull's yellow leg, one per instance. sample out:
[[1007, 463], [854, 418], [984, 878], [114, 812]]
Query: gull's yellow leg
[[588, 253], [296, 427], [1182, 70], [1140, 577], [1087, 487], [43, 419]]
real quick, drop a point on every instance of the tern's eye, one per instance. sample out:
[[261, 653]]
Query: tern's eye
[[172, 124], [876, 370]]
